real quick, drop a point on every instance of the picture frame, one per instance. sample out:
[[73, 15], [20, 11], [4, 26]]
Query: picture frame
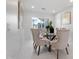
[[66, 18]]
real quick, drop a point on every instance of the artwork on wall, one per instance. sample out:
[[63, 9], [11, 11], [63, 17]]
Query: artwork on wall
[[66, 18]]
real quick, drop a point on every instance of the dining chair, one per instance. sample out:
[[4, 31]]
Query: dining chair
[[62, 40], [63, 29], [42, 29], [38, 41]]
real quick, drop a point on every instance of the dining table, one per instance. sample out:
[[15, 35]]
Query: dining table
[[50, 36]]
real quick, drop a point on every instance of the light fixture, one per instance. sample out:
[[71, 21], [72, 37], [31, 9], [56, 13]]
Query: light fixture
[[43, 8], [33, 7], [71, 1], [53, 11]]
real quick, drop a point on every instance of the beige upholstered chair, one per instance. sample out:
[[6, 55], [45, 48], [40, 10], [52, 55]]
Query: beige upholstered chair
[[42, 30], [38, 41], [62, 40]]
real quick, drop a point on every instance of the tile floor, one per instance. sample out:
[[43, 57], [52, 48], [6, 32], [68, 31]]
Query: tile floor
[[27, 52]]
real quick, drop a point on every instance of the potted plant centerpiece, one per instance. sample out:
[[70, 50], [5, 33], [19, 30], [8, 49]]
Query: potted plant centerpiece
[[49, 27]]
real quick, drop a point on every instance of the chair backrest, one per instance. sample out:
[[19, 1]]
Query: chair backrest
[[35, 34], [36, 38], [63, 36], [42, 31]]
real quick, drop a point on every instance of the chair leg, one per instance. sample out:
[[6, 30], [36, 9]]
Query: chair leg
[[33, 43], [57, 54], [49, 49], [35, 47], [67, 51], [38, 50], [68, 44]]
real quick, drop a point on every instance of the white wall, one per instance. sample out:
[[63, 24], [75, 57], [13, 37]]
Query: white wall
[[58, 23], [14, 37], [27, 21], [58, 19], [12, 22], [12, 14]]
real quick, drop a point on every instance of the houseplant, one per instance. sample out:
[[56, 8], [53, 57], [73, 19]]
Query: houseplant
[[49, 27]]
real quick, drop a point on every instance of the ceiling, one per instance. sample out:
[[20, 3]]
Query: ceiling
[[49, 6]]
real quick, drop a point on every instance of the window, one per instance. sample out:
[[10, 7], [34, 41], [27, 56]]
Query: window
[[39, 22]]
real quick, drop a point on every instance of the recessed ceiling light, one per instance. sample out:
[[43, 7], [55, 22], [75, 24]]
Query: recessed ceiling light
[[71, 0], [33, 7], [43, 8], [53, 11]]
